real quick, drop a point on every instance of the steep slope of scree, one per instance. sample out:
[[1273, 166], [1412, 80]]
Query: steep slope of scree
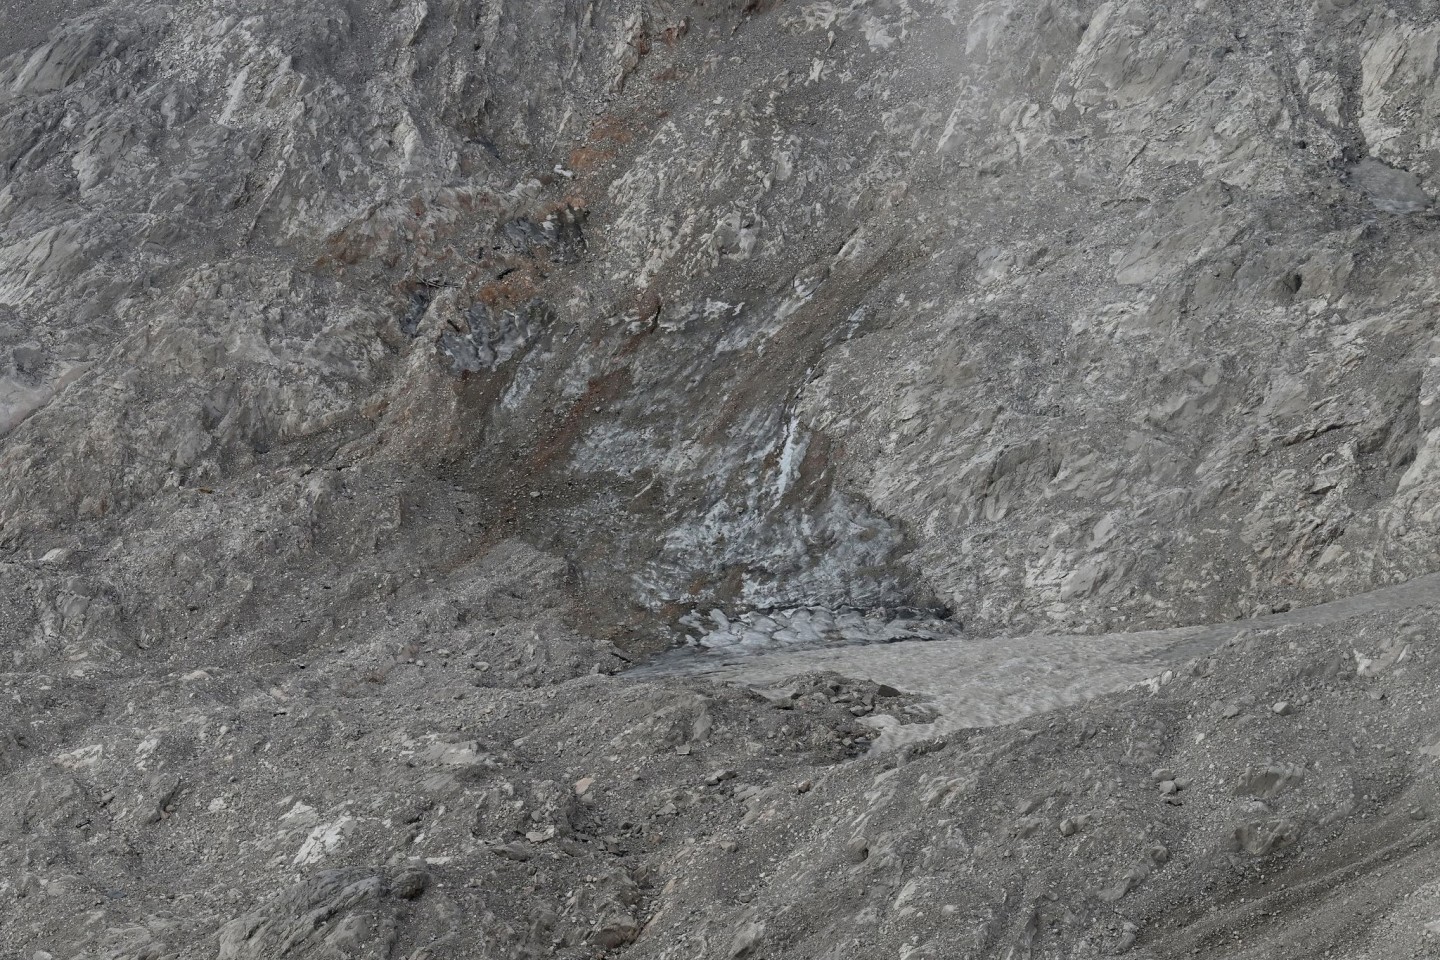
[[1278, 798], [380, 380]]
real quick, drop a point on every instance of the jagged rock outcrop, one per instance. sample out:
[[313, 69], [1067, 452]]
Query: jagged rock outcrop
[[379, 378]]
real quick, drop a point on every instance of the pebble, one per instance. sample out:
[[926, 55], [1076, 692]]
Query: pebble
[[859, 849], [410, 884], [1128, 934], [1282, 708], [747, 938], [615, 931], [513, 851]]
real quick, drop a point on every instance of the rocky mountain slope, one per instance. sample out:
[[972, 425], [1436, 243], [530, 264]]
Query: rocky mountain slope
[[387, 385]]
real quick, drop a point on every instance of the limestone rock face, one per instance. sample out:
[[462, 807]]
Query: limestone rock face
[[377, 377]]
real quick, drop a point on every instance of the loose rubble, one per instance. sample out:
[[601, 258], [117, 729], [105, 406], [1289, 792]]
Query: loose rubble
[[920, 479]]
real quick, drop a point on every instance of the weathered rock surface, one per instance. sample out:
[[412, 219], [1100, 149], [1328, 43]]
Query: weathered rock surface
[[381, 382]]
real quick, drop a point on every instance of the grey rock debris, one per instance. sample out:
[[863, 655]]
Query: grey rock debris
[[740, 478]]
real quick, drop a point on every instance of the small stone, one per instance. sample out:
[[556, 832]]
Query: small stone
[[860, 710], [683, 750], [1169, 787], [1162, 774], [859, 849], [1230, 711], [1128, 934], [1068, 827], [410, 884], [1282, 708], [885, 690], [747, 938], [719, 776], [804, 786], [583, 785], [615, 931], [518, 852], [1419, 813]]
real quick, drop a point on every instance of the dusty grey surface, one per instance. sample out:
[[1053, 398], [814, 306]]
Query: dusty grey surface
[[27, 23], [735, 478], [982, 682]]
